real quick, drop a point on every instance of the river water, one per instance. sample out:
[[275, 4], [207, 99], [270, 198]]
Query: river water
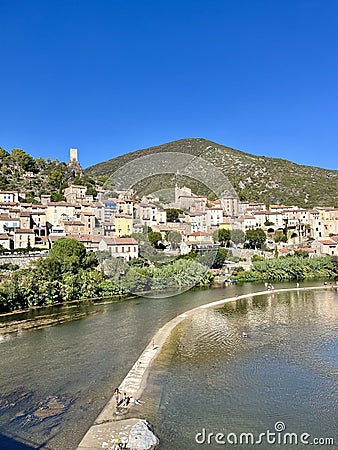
[[55, 380], [283, 374]]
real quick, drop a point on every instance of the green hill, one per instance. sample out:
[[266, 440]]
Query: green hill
[[255, 178], [34, 177]]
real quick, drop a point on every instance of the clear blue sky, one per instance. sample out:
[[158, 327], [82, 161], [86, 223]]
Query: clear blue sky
[[113, 76]]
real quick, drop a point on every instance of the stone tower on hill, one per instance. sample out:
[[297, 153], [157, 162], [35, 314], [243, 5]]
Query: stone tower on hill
[[74, 167], [73, 154]]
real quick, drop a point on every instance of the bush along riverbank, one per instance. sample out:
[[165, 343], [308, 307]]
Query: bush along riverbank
[[290, 268], [70, 273]]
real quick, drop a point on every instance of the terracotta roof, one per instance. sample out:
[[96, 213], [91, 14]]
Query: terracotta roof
[[327, 242], [123, 216], [23, 231], [119, 241], [6, 204], [195, 214], [73, 222], [60, 204], [199, 233]]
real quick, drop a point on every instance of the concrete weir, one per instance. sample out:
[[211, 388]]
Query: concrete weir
[[108, 426]]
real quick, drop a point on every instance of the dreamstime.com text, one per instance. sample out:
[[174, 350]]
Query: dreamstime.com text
[[279, 436]]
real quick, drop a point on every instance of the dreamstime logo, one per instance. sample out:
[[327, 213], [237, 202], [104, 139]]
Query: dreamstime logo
[[278, 436], [134, 179]]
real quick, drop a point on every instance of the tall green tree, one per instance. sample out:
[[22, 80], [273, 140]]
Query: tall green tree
[[255, 237], [174, 238], [154, 237], [237, 236], [69, 253], [221, 257], [25, 160], [279, 236], [172, 214], [223, 236]]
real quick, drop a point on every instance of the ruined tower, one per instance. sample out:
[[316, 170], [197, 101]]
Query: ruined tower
[[73, 154], [74, 167]]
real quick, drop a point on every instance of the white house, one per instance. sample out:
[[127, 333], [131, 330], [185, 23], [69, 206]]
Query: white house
[[126, 248]]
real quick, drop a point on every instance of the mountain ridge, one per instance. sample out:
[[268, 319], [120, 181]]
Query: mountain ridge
[[255, 178]]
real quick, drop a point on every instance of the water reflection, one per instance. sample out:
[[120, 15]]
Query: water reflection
[[80, 361], [210, 376]]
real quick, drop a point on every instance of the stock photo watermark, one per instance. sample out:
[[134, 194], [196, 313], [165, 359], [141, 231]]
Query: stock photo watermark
[[278, 436]]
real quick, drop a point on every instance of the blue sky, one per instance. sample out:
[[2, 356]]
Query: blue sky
[[109, 77]]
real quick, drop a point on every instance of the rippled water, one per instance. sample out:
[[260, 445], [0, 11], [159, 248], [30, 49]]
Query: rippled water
[[209, 376], [76, 365]]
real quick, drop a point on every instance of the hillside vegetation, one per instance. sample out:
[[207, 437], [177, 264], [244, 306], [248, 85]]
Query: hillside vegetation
[[255, 178], [34, 177]]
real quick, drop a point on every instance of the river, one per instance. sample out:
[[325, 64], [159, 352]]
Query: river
[[73, 367], [210, 379]]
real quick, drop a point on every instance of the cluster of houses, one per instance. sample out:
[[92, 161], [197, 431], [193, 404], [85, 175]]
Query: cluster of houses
[[108, 223]]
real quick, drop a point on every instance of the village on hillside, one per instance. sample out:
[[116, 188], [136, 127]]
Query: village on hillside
[[108, 223]]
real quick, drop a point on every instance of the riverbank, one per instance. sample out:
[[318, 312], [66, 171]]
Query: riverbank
[[108, 425]]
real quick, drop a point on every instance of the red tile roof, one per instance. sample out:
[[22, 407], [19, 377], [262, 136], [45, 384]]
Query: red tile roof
[[118, 241]]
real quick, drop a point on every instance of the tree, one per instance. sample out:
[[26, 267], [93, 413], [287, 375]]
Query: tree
[[56, 176], [102, 180], [279, 236], [237, 236], [25, 160], [29, 247], [154, 237], [302, 253], [3, 153], [174, 238], [91, 191], [256, 237], [90, 261], [223, 236], [57, 197], [221, 257], [69, 253], [172, 214]]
